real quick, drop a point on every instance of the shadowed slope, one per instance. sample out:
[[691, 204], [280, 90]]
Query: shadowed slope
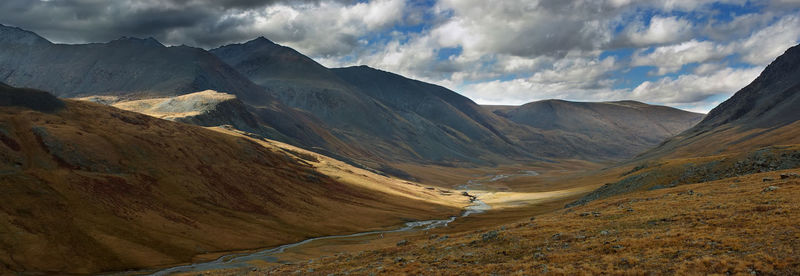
[[127, 66], [30, 98], [132, 68], [394, 118]]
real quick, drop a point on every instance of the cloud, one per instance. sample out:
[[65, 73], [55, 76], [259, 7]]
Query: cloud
[[660, 30], [693, 88], [574, 78], [765, 45], [314, 27], [670, 59], [525, 28], [511, 51]]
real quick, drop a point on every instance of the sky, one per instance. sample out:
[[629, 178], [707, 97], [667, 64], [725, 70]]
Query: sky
[[689, 54]]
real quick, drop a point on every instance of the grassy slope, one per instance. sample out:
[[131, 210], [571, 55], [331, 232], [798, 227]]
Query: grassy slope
[[724, 152], [91, 188], [726, 226]]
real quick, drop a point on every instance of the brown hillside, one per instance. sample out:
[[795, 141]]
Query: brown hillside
[[734, 226], [90, 188]]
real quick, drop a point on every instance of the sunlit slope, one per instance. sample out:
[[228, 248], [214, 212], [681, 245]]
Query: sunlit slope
[[91, 188]]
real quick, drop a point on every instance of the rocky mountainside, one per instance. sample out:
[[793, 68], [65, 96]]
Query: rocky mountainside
[[414, 121], [360, 114], [407, 120], [771, 100], [90, 188], [622, 129], [763, 113]]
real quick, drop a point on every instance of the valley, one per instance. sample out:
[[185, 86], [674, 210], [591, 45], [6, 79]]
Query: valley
[[143, 156], [504, 206]]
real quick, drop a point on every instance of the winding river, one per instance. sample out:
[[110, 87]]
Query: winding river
[[242, 260]]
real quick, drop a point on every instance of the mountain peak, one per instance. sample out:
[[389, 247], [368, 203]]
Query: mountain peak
[[17, 35], [786, 64], [260, 40], [149, 41]]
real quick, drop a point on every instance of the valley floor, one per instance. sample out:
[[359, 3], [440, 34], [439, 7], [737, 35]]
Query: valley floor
[[741, 225]]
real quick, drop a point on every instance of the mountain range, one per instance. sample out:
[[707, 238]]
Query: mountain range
[[132, 154], [613, 129], [294, 99]]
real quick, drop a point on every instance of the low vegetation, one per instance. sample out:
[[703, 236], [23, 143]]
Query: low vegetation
[[739, 225]]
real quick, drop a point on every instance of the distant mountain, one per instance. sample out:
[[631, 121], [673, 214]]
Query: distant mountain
[[132, 68], [89, 188], [394, 118], [621, 129], [414, 121], [128, 66], [359, 114], [270, 64], [436, 115]]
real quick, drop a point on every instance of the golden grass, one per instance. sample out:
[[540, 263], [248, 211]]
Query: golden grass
[[108, 189], [731, 139], [345, 173], [164, 107], [729, 226]]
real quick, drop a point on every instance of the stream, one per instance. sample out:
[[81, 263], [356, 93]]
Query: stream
[[242, 260]]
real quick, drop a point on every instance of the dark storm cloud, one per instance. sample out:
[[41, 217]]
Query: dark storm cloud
[[196, 22]]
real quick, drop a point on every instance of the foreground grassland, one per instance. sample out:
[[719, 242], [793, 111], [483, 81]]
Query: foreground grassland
[[741, 225]]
